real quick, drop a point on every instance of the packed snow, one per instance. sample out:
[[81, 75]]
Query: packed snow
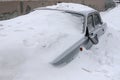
[[72, 7], [28, 43], [41, 29]]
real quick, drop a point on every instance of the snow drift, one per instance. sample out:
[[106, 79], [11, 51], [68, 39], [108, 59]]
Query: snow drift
[[25, 51]]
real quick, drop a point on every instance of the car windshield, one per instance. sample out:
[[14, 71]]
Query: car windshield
[[65, 19]]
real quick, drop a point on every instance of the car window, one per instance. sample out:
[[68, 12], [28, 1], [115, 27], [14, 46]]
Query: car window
[[79, 20], [66, 19], [97, 19], [90, 23]]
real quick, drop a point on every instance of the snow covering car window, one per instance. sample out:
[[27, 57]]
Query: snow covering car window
[[64, 19]]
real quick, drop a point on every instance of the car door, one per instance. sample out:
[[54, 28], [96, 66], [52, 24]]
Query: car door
[[90, 24], [98, 25], [90, 29], [93, 31]]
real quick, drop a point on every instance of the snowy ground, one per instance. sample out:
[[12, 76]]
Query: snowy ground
[[27, 62]]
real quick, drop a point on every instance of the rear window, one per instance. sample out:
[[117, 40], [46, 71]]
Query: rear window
[[66, 19]]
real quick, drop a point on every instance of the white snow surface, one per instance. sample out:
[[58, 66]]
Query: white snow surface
[[112, 17], [26, 49], [72, 7]]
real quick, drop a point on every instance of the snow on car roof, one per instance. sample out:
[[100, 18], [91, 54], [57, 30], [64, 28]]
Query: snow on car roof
[[71, 7]]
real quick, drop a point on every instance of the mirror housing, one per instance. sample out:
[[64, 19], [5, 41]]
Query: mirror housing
[[94, 39]]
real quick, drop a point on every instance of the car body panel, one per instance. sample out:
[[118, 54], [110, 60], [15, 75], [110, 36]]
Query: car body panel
[[71, 52]]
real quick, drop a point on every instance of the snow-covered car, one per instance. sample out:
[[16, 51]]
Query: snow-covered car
[[55, 34], [91, 25]]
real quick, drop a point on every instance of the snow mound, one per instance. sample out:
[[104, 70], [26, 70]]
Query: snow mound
[[26, 46], [71, 7], [41, 30], [39, 35], [112, 17]]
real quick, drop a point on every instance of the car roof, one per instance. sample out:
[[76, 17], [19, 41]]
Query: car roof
[[70, 7]]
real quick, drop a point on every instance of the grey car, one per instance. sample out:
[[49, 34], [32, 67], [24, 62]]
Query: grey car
[[94, 27]]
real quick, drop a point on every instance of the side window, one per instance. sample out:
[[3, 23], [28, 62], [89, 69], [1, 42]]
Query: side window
[[97, 19], [90, 23]]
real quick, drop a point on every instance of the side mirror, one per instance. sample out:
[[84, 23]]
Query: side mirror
[[94, 38]]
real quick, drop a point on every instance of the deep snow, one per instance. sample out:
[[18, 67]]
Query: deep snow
[[71, 7], [22, 58]]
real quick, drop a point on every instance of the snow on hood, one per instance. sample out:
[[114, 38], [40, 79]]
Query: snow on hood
[[42, 31]]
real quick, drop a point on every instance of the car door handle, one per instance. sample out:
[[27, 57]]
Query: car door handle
[[91, 35]]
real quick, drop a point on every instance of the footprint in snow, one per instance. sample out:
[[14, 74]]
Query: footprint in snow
[[9, 26], [9, 64], [1, 29], [109, 35], [3, 35], [18, 30], [29, 43], [19, 22], [31, 28], [1, 25]]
